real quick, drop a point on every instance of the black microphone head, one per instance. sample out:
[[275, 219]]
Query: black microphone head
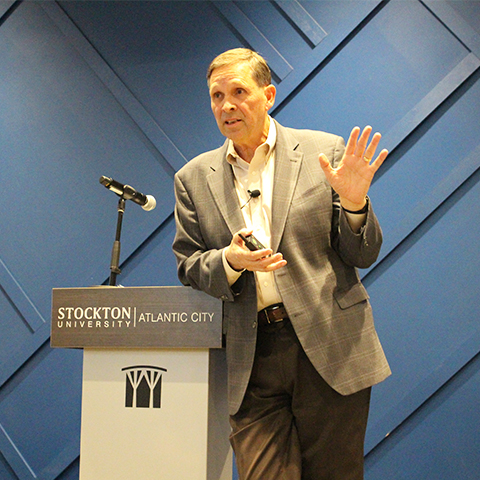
[[253, 194], [147, 202]]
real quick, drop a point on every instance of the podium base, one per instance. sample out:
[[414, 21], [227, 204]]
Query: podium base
[[155, 414]]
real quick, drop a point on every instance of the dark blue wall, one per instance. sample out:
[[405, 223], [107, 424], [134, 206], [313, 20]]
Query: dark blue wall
[[118, 89]]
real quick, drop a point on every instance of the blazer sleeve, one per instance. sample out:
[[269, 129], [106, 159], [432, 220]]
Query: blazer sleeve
[[198, 264]]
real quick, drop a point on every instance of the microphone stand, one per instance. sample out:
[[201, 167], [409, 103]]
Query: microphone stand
[[114, 270]]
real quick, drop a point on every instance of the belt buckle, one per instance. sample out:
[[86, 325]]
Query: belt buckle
[[273, 320]]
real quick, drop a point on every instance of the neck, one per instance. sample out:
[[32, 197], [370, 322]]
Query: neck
[[247, 151]]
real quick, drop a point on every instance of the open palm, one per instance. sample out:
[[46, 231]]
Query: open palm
[[352, 178]]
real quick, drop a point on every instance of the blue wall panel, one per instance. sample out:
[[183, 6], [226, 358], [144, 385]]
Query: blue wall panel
[[160, 51], [429, 325], [380, 76], [440, 441], [118, 89], [33, 400]]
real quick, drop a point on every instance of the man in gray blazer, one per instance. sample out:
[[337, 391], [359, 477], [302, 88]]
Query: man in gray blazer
[[302, 350]]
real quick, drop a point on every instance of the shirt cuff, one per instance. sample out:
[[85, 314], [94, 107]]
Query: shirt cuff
[[232, 275], [356, 220]]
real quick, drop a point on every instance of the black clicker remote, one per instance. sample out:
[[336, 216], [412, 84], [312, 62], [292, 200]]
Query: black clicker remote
[[251, 242]]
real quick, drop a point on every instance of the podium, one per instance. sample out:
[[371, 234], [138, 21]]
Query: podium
[[154, 400]]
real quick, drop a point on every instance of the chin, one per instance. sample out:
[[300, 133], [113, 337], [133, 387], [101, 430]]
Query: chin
[[233, 135]]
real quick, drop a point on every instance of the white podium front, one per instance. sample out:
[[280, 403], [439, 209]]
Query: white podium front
[[154, 382]]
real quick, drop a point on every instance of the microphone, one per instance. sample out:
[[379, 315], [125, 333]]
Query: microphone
[[147, 202], [253, 194]]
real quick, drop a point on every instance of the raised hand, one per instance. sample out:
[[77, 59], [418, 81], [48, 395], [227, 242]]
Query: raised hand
[[352, 178]]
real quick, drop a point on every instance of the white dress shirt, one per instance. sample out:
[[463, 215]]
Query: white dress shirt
[[257, 213]]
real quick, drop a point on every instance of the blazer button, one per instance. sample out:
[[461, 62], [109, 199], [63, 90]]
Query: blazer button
[[254, 324]]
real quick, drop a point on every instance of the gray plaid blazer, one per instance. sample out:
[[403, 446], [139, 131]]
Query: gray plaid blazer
[[320, 287]]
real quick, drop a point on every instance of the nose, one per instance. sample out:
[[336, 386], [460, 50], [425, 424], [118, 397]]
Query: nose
[[228, 106]]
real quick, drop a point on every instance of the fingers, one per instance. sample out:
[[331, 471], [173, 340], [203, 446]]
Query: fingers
[[263, 261], [352, 141], [240, 257], [380, 159], [361, 147], [358, 145], [269, 264], [369, 152]]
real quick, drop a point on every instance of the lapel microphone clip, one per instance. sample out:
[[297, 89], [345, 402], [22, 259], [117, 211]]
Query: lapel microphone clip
[[253, 194]]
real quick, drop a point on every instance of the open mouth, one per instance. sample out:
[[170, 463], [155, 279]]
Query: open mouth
[[232, 121]]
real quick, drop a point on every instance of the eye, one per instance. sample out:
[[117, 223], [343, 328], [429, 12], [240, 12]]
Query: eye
[[240, 91]]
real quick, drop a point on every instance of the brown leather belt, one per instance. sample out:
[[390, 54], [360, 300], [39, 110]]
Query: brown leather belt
[[272, 314]]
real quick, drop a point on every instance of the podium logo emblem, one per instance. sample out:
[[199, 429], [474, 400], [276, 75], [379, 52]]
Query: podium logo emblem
[[143, 386]]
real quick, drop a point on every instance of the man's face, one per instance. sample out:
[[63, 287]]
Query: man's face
[[240, 106]]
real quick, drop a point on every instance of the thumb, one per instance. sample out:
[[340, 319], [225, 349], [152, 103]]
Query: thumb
[[324, 163]]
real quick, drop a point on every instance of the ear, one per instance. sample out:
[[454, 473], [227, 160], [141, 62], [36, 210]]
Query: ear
[[270, 93]]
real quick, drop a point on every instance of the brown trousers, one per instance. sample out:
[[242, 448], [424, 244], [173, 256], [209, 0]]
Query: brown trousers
[[292, 425]]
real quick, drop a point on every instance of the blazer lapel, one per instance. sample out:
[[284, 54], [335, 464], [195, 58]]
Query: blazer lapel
[[287, 167], [222, 185], [288, 160]]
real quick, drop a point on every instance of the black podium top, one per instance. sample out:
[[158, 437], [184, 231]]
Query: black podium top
[[142, 317]]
